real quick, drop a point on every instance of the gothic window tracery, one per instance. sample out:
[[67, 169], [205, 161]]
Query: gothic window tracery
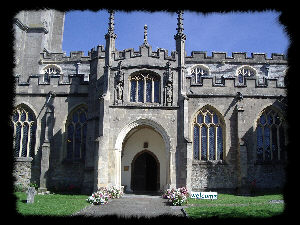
[[145, 87], [208, 135], [245, 71], [76, 129], [270, 136], [24, 124], [198, 72], [50, 70]]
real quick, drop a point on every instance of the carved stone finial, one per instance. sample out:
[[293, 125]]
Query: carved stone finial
[[111, 25], [180, 34], [145, 35], [180, 22]]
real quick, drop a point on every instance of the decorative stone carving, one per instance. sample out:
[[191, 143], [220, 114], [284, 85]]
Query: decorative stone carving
[[145, 36], [119, 85], [168, 85]]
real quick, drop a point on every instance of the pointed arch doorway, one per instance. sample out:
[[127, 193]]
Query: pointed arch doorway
[[145, 172], [137, 138]]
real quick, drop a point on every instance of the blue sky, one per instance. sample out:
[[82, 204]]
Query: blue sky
[[250, 32]]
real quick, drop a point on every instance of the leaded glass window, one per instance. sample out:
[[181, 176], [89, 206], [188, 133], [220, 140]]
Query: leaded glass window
[[76, 134], [144, 87], [207, 135], [24, 125], [270, 136], [198, 72]]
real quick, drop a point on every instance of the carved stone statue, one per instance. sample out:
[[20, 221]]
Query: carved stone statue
[[168, 85], [119, 84], [169, 94]]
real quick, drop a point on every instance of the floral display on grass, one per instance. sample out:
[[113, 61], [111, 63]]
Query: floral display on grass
[[102, 196], [176, 196]]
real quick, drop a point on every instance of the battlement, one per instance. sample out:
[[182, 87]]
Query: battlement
[[236, 57], [97, 52], [75, 56], [53, 79], [146, 51], [253, 84]]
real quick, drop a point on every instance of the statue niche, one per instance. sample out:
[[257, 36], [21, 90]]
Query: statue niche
[[119, 85]]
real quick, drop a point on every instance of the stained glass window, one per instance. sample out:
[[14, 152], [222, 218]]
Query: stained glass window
[[270, 137], [196, 141], [133, 91], [145, 86], [219, 143], [76, 134], [259, 143], [212, 143], [24, 124], [208, 135], [141, 90], [204, 143], [156, 91]]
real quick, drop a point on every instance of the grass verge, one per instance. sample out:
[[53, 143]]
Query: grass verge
[[232, 206], [251, 211], [51, 205]]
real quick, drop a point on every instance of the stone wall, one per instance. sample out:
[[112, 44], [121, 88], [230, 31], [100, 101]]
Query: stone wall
[[22, 171], [210, 176]]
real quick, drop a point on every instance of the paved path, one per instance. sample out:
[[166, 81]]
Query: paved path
[[131, 205]]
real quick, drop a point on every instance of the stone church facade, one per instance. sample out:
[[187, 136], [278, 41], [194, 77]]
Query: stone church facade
[[146, 120]]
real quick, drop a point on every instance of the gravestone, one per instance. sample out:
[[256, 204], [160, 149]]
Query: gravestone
[[31, 192]]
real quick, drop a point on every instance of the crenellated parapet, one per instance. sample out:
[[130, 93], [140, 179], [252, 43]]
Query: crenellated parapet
[[249, 82], [238, 71], [53, 79], [97, 52], [144, 51], [75, 56], [236, 57]]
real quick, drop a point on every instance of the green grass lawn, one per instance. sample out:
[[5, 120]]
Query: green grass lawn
[[256, 211], [235, 199], [51, 205], [232, 206]]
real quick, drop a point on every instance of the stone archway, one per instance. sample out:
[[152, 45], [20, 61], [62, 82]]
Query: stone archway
[[130, 142]]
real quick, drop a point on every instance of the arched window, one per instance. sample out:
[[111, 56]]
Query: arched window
[[50, 70], [76, 128], [245, 71], [145, 87], [208, 135], [24, 124], [198, 72], [270, 134]]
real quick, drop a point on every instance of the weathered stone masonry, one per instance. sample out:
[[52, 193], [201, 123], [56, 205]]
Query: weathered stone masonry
[[237, 88]]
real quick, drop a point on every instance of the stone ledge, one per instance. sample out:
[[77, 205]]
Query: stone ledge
[[23, 159], [142, 106], [209, 162]]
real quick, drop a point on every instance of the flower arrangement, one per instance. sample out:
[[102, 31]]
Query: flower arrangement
[[98, 198], [115, 192], [102, 196], [176, 196]]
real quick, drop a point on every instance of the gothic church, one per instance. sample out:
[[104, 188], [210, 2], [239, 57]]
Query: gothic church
[[144, 120]]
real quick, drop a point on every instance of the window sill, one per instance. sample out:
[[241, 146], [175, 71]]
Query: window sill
[[23, 159], [143, 106], [209, 162]]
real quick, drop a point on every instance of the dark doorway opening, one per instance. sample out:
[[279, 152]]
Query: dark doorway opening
[[145, 173]]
